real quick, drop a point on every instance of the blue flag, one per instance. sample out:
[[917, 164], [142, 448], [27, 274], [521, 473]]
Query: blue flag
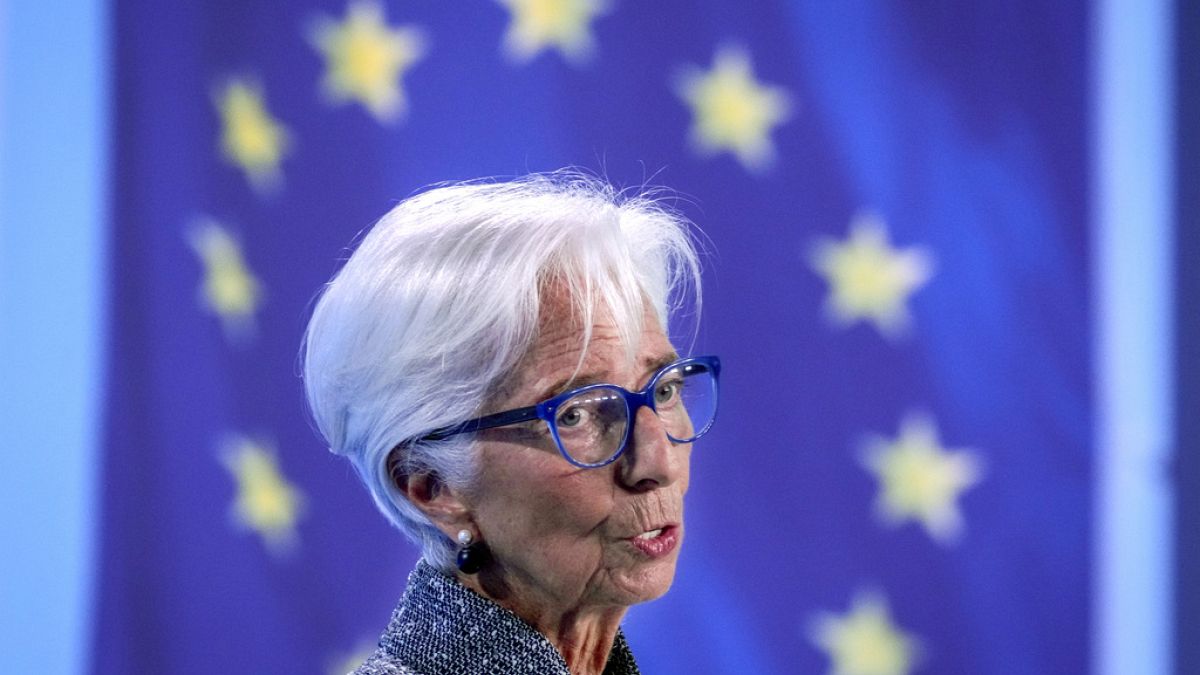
[[894, 201]]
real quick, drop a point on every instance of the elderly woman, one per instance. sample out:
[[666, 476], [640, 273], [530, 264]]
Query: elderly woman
[[494, 360]]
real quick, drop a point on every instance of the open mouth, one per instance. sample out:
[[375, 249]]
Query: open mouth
[[658, 542]]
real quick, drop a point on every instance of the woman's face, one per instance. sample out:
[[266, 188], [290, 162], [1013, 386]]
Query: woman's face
[[567, 537]]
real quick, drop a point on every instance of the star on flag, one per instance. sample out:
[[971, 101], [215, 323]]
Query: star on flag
[[565, 25], [732, 111], [348, 662], [229, 289], [265, 502], [864, 641], [251, 139], [366, 60], [920, 480], [868, 279]]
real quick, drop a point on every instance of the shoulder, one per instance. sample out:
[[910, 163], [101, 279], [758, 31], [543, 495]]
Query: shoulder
[[382, 663]]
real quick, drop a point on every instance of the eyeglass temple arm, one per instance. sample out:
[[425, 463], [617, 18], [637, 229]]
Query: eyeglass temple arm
[[499, 419]]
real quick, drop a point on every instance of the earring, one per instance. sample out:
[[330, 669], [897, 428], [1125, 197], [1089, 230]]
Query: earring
[[471, 556]]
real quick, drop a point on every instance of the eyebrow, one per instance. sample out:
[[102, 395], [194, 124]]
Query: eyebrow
[[651, 365]]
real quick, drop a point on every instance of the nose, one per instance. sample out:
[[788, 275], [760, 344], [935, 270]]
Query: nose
[[652, 460]]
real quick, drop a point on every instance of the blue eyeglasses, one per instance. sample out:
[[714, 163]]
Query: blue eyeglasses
[[591, 425]]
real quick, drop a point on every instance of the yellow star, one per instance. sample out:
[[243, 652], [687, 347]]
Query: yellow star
[[250, 138], [870, 280], [732, 111], [919, 480], [864, 641], [229, 289], [542, 24], [365, 60], [265, 502], [350, 661]]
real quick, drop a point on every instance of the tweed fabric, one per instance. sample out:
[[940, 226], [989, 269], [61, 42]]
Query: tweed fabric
[[444, 628]]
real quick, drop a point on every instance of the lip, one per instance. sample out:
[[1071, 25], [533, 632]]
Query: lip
[[659, 546]]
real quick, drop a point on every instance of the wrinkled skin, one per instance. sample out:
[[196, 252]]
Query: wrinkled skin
[[559, 535]]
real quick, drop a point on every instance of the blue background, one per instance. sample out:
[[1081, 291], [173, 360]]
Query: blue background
[[935, 118]]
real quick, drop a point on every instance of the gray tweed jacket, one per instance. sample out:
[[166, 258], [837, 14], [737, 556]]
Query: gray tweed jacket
[[444, 628]]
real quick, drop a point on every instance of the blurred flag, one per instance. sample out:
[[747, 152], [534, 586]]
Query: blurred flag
[[896, 200]]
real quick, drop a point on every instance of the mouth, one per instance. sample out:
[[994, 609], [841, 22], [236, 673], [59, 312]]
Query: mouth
[[658, 542]]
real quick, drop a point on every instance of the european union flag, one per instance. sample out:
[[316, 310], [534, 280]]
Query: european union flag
[[896, 202]]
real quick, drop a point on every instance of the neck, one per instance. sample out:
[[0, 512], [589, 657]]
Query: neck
[[583, 635]]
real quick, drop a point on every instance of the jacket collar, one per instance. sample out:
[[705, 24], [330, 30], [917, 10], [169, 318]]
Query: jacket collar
[[442, 626]]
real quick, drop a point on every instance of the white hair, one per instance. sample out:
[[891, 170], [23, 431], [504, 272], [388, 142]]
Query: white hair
[[440, 301]]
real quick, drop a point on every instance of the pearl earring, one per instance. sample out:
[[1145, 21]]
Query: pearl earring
[[471, 556]]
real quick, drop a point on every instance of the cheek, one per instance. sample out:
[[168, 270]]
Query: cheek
[[522, 503]]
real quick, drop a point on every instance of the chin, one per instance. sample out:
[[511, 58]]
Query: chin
[[645, 582]]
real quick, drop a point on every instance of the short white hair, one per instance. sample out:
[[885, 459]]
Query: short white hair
[[439, 302]]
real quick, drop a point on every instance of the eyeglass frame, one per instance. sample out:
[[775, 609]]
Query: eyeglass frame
[[546, 411]]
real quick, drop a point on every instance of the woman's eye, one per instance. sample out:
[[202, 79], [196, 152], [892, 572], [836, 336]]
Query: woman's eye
[[666, 391], [570, 417]]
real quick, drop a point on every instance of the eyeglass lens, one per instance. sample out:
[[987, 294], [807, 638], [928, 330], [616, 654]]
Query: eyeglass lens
[[592, 425]]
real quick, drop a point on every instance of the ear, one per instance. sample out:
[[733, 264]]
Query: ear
[[425, 490]]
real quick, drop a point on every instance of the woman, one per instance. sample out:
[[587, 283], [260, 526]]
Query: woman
[[493, 359]]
